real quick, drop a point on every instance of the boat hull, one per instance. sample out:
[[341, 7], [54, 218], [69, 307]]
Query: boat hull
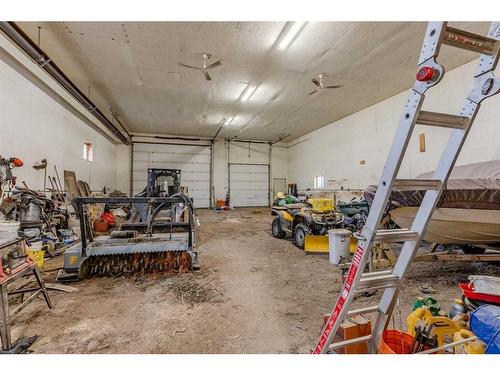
[[454, 225]]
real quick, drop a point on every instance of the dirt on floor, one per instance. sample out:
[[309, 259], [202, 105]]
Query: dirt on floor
[[252, 294]]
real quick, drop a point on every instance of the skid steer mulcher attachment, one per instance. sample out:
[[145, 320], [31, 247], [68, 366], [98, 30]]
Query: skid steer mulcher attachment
[[128, 251]]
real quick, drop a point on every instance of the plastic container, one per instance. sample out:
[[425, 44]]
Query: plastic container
[[395, 342], [444, 328], [38, 256], [321, 204], [473, 347], [339, 241], [485, 324], [101, 226], [457, 308], [429, 302], [36, 253]]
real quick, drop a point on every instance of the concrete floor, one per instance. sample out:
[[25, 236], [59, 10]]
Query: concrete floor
[[253, 294]]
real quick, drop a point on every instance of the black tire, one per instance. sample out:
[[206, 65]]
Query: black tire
[[469, 249], [299, 235], [276, 229]]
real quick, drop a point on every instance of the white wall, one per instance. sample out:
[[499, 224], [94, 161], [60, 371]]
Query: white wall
[[33, 126], [335, 150], [123, 168]]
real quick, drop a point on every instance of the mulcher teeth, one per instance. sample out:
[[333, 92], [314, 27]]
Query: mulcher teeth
[[165, 263]]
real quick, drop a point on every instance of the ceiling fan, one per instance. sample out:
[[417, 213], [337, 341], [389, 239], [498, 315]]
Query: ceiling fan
[[320, 83], [205, 57]]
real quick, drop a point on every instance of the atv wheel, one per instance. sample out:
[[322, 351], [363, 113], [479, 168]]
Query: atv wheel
[[300, 235], [276, 228]]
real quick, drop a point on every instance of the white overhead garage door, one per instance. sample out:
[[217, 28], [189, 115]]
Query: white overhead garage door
[[249, 185], [192, 160]]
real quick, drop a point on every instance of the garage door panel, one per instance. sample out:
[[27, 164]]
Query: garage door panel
[[140, 166], [249, 185], [192, 160], [249, 177], [183, 166], [163, 148], [178, 158], [141, 156], [196, 176]]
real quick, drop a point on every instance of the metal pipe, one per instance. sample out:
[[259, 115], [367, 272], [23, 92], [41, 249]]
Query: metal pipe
[[212, 199], [177, 138], [117, 119], [131, 176], [229, 169], [447, 346], [269, 172], [18, 36], [242, 141], [279, 139], [171, 143]]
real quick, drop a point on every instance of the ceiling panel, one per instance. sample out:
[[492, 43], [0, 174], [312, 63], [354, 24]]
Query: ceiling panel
[[133, 68]]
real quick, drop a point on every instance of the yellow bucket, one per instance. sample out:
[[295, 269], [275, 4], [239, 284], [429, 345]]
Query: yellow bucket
[[36, 253]]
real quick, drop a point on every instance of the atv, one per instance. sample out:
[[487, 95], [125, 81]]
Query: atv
[[316, 218]]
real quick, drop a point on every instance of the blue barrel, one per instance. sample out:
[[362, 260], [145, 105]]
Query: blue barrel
[[485, 324]]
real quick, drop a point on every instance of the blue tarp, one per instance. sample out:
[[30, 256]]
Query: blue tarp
[[485, 324]]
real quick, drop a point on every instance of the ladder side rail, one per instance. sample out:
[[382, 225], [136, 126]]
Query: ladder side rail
[[485, 86], [431, 45]]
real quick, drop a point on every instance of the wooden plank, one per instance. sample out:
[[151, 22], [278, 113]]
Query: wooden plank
[[450, 257], [61, 287]]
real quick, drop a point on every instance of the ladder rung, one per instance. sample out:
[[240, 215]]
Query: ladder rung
[[362, 310], [376, 281], [355, 340], [377, 273], [420, 184], [443, 120], [395, 235], [470, 41]]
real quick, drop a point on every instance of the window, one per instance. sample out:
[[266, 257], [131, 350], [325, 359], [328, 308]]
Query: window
[[319, 182], [87, 151]]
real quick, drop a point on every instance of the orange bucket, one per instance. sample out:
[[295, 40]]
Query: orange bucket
[[220, 203], [395, 342]]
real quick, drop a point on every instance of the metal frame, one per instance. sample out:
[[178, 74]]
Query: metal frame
[[86, 236], [7, 315], [485, 85]]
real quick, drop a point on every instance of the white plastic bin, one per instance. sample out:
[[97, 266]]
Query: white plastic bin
[[339, 241]]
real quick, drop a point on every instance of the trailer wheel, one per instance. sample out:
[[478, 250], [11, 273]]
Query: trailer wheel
[[276, 228], [299, 235]]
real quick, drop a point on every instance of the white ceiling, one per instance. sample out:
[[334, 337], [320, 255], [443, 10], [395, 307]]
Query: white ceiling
[[132, 67]]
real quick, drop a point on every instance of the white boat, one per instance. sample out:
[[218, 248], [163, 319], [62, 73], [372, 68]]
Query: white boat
[[455, 225], [468, 212]]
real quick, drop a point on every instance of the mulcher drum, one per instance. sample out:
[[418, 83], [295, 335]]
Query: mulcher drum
[[163, 263]]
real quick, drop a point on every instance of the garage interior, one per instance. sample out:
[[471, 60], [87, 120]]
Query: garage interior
[[249, 187]]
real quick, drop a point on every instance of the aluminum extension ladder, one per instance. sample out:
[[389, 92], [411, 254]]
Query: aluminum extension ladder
[[429, 73]]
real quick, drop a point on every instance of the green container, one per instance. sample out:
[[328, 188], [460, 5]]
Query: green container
[[428, 301]]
